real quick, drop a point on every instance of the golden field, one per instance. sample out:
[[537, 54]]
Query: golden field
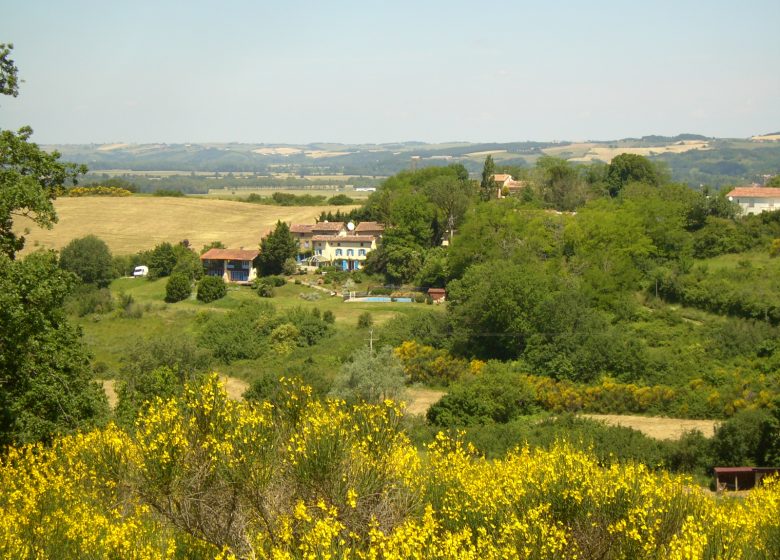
[[132, 224]]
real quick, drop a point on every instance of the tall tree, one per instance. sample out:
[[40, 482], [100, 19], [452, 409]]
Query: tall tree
[[630, 168], [90, 259], [45, 379], [487, 186], [275, 248]]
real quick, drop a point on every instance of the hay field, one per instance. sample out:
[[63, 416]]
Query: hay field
[[605, 153], [657, 427], [766, 138], [135, 223]]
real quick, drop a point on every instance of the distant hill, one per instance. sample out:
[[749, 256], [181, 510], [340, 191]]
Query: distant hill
[[692, 158]]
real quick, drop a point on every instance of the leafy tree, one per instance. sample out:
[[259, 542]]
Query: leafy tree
[[275, 248], [162, 259], [46, 383], [487, 187], [211, 288], [744, 439], [628, 168], [178, 288], [213, 245], [90, 259], [45, 379], [370, 376], [559, 183], [9, 78], [774, 182], [187, 262]]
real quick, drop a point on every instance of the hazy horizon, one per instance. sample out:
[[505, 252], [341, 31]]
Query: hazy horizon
[[373, 73]]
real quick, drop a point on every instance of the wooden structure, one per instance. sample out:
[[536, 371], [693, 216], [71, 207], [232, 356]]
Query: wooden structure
[[742, 478]]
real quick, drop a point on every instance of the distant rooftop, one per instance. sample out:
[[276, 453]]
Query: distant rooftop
[[229, 255], [755, 192]]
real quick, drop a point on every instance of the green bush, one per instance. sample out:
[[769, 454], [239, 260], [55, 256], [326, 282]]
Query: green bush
[[211, 288], [275, 281], [365, 320], [340, 200], [497, 394], [87, 299], [328, 316], [264, 289], [178, 288], [241, 333]]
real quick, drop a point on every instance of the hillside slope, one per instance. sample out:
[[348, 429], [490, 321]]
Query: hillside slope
[[135, 223]]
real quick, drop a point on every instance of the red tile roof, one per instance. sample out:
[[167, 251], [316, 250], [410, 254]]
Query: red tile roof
[[229, 255], [328, 226], [301, 228], [369, 226], [501, 177], [755, 192], [344, 238]]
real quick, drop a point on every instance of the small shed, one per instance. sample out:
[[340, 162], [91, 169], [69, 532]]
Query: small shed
[[438, 295], [741, 478]]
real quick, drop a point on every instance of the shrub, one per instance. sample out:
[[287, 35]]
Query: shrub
[[264, 289], [495, 395], [178, 288], [211, 288], [168, 192], [365, 320], [289, 267], [328, 316], [87, 299], [340, 200], [275, 281]]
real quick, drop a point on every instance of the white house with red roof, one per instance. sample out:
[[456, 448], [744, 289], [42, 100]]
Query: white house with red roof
[[755, 200], [233, 265], [336, 243]]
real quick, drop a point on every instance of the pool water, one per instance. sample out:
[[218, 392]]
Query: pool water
[[382, 299]]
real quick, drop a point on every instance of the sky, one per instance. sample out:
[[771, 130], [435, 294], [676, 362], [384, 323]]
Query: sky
[[375, 72]]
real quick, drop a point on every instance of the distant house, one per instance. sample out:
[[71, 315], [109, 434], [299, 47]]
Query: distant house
[[505, 183], [346, 251], [233, 265], [755, 200], [304, 233], [741, 478]]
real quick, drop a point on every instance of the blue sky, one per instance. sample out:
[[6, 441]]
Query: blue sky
[[363, 71]]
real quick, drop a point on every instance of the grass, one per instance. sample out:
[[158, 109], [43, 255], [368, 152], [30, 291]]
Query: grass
[[110, 336], [136, 223]]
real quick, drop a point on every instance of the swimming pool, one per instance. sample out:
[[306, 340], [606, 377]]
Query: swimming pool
[[382, 299]]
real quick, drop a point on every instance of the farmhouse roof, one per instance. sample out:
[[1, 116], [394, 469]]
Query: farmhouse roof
[[328, 226], [229, 255], [301, 228], [755, 192], [369, 226], [344, 238], [501, 177]]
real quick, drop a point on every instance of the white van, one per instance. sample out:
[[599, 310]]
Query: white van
[[140, 271]]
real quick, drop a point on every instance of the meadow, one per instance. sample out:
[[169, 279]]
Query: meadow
[[132, 224], [111, 336]]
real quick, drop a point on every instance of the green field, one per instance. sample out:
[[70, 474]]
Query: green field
[[109, 336]]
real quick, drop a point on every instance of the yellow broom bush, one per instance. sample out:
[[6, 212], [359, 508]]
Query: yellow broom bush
[[208, 477]]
